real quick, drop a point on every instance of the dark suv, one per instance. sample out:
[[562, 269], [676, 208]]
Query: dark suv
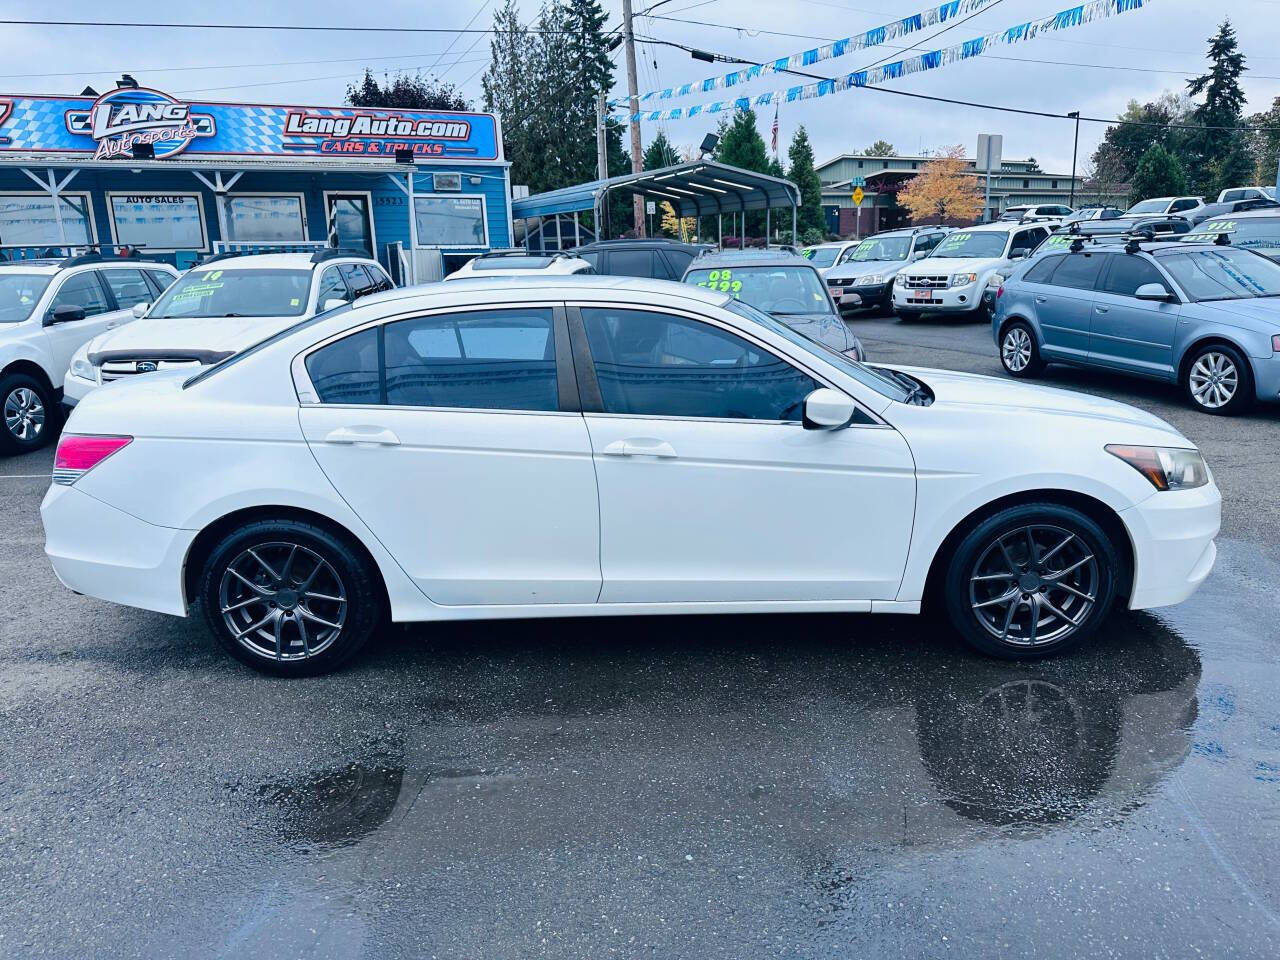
[[655, 258]]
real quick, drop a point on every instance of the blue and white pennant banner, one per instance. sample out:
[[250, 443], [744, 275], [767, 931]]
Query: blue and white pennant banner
[[838, 48], [1064, 20]]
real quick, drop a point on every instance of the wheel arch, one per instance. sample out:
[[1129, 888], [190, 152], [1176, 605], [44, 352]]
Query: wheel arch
[[1098, 511], [31, 369], [1011, 319], [1211, 340]]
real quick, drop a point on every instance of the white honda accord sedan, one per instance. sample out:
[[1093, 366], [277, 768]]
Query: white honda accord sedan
[[585, 446]]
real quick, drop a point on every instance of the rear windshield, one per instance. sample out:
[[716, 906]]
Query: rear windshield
[[511, 263], [19, 294], [214, 292]]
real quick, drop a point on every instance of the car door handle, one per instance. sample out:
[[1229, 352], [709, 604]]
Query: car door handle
[[376, 436], [1042, 299], [1100, 309], [640, 447], [113, 324]]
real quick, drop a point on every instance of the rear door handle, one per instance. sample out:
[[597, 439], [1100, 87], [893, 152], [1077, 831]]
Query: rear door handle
[[1042, 299], [1100, 309], [375, 436], [640, 447]]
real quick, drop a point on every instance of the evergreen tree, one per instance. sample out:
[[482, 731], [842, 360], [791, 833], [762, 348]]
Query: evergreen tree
[[589, 72], [1159, 174], [406, 93], [660, 153], [804, 176], [742, 146], [1264, 145], [1220, 113], [506, 84], [1234, 168], [881, 148]]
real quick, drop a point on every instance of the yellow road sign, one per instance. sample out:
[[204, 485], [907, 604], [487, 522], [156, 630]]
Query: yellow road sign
[[857, 195]]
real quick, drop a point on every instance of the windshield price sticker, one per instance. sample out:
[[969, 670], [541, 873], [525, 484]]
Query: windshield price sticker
[[864, 247], [723, 281], [209, 281], [955, 240], [1058, 240], [1212, 229]]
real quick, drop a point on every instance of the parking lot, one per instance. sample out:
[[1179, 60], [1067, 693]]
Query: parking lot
[[706, 787]]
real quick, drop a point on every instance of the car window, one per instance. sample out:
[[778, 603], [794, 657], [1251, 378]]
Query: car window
[[159, 280], [82, 290], [1223, 273], [679, 262], [1078, 271], [1229, 195], [984, 245], [378, 278], [346, 371], [358, 281], [591, 258], [657, 364], [128, 287], [1027, 240], [781, 290], [214, 291], [19, 294], [821, 256], [1041, 271], [332, 287], [632, 263], [480, 359], [1127, 273], [1185, 204]]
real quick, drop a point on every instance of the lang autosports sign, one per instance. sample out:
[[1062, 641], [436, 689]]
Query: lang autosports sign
[[112, 125]]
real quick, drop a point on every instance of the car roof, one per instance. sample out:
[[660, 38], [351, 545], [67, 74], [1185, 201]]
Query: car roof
[[751, 258], [53, 265], [552, 287], [32, 266], [278, 261], [1258, 213], [632, 242]]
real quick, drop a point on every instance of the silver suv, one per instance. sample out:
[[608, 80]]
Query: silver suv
[[864, 275]]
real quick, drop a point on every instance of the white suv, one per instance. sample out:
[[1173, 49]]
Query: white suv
[[220, 307], [951, 278], [48, 310]]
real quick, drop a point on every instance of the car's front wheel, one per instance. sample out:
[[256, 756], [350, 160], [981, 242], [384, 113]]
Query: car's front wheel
[[288, 597], [1019, 354], [1218, 380], [27, 413], [1031, 580]]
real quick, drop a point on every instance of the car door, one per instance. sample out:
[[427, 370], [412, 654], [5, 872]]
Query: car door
[[1064, 304], [462, 449], [84, 289], [710, 487], [1128, 333]]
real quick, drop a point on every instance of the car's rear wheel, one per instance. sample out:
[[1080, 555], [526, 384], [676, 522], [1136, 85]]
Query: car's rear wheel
[[1019, 354], [1218, 380], [908, 316], [288, 597], [1031, 580], [28, 415]]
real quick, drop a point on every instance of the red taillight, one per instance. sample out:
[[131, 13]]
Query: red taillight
[[1000, 291], [77, 455], [1275, 342]]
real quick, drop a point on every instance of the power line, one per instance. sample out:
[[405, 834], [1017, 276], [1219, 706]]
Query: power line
[[309, 27]]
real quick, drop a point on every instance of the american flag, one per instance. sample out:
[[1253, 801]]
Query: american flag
[[775, 129]]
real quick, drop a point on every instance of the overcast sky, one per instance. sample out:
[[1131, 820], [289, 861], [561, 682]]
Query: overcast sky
[[1135, 55]]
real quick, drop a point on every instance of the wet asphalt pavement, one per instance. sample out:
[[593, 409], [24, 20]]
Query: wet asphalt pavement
[[813, 786]]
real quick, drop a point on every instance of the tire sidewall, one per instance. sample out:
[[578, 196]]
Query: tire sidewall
[[363, 598], [1244, 385], [9, 444], [956, 580]]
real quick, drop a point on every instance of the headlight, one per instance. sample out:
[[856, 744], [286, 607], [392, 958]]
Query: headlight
[[82, 368], [1168, 468], [963, 279], [871, 278], [899, 279]]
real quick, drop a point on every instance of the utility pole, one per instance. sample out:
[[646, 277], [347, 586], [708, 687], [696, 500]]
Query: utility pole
[[601, 222], [633, 102], [1074, 147]]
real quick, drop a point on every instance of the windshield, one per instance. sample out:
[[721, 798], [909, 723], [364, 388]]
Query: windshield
[[235, 293], [19, 294], [879, 248], [1149, 206], [1261, 234], [1223, 274], [780, 290], [987, 245], [859, 371], [820, 256]]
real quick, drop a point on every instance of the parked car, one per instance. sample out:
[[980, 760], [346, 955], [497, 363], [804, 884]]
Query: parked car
[[1032, 213], [1257, 230], [952, 277], [587, 448], [223, 305], [1092, 213], [1247, 193], [783, 285], [824, 256], [864, 276], [1157, 205], [1212, 211], [48, 310], [520, 263], [655, 258], [1201, 315]]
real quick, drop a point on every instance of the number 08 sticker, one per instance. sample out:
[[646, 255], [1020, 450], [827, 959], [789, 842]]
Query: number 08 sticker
[[723, 281]]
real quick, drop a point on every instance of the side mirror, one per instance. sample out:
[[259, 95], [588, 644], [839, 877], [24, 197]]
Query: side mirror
[[140, 309], [827, 409], [66, 313], [1153, 291], [333, 303], [1018, 255]]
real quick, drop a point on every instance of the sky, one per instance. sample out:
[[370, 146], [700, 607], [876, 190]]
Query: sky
[[1096, 68]]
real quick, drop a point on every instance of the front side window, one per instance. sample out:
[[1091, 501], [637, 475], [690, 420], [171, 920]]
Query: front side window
[[158, 221], [19, 294], [1223, 274], [1078, 271], [264, 219], [984, 245], [34, 220], [215, 292], [656, 364], [781, 290], [128, 287], [82, 290], [1128, 273], [632, 263], [449, 221], [1028, 240], [480, 359]]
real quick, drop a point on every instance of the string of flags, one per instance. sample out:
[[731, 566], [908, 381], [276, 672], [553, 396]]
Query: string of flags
[[1063, 20], [837, 48]]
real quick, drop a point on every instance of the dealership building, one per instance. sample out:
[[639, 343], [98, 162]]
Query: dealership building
[[419, 190]]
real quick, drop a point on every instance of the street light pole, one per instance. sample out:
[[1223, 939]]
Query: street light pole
[[1075, 114], [633, 102]]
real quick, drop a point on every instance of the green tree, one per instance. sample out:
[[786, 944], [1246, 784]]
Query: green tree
[[1033, 165], [660, 153], [1159, 174], [589, 73], [506, 83], [406, 92], [1220, 114], [1233, 168], [881, 148], [742, 146], [804, 176], [1264, 145]]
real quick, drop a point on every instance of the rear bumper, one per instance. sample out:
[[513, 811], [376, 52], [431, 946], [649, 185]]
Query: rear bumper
[[103, 552], [1173, 546]]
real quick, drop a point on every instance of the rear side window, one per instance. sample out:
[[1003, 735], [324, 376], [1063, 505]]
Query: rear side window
[[1127, 273], [332, 287], [591, 258], [347, 371], [679, 262], [1041, 272], [1182, 205], [1078, 271], [482, 359], [160, 280], [128, 287], [633, 263]]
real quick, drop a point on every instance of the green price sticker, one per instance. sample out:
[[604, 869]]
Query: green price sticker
[[954, 240]]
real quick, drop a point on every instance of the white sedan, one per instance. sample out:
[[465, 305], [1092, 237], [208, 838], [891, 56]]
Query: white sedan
[[595, 446]]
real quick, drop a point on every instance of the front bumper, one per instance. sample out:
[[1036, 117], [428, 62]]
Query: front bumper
[[106, 553], [855, 296], [1266, 378], [75, 389], [950, 300], [1172, 534]]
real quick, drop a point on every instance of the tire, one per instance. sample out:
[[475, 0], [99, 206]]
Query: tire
[[1019, 352], [296, 582], [28, 413], [1217, 379], [993, 583], [907, 316]]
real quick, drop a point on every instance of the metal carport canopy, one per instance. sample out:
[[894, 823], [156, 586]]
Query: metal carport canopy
[[696, 188]]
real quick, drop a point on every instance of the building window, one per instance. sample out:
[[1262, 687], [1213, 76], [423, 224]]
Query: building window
[[1026, 184], [1055, 184], [450, 221], [254, 219], [886, 164], [859, 164], [158, 221], [31, 219]]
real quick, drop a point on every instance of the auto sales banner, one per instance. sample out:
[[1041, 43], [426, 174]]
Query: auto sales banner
[[113, 124]]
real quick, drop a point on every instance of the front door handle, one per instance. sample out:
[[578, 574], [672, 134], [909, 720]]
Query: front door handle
[[1042, 299], [640, 447], [1100, 309], [376, 436]]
